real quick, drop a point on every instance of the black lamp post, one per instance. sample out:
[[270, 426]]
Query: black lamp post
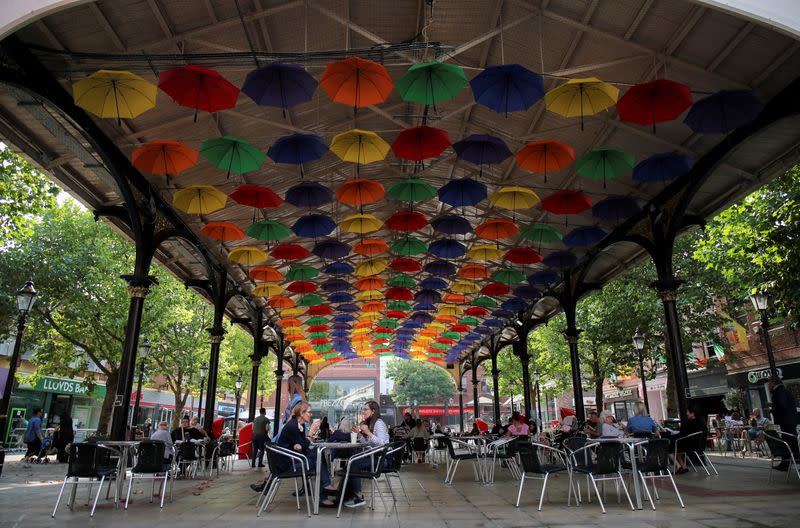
[[26, 296], [144, 350], [760, 301], [638, 344], [203, 374], [538, 396], [263, 389], [416, 408], [511, 390], [238, 385]]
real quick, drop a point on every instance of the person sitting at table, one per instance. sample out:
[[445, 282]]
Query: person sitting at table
[[498, 429], [756, 431], [186, 432], [196, 425], [693, 424], [372, 432], [518, 426], [419, 437], [475, 431], [593, 427], [609, 428], [161, 434], [640, 425]]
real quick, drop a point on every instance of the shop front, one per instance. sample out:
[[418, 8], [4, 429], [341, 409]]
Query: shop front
[[620, 402], [755, 383]]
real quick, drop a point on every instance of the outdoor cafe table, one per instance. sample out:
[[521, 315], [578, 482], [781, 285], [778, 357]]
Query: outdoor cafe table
[[122, 447], [321, 447], [480, 449]]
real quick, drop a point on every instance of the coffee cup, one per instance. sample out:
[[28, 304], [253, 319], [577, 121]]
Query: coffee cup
[[353, 437]]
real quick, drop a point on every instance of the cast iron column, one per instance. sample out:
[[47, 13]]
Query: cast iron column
[[278, 386], [12, 372], [475, 405], [496, 387], [217, 334], [521, 351], [667, 290], [461, 404], [253, 390], [572, 334]]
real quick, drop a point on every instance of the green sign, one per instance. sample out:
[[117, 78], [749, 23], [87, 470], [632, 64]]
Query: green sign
[[65, 386]]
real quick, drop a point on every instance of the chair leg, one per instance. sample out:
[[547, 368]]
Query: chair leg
[[341, 495], [625, 488], [597, 492], [266, 492], [544, 488], [99, 490], [164, 488], [389, 485], [403, 486], [675, 487], [375, 488], [60, 493], [647, 490], [296, 494], [309, 491], [128, 495], [519, 493]]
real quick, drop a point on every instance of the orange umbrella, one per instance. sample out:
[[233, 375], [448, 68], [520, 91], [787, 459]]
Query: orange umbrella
[[454, 298], [164, 157], [371, 246], [370, 283], [446, 319], [290, 321], [295, 337], [474, 271], [356, 82], [266, 274], [497, 228], [224, 231], [359, 191], [373, 306], [364, 324], [541, 156], [281, 301]]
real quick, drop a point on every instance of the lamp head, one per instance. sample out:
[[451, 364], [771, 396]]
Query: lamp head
[[760, 300], [204, 370], [26, 296], [638, 340], [238, 383], [144, 348]]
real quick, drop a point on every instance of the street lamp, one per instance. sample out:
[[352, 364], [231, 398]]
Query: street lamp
[[144, 350], [511, 390], [203, 374], [263, 389], [238, 385], [26, 296], [538, 395], [760, 301], [638, 344]]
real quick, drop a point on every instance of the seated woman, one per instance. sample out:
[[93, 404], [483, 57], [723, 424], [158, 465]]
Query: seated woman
[[186, 432], [640, 424], [372, 432], [195, 422], [518, 426], [610, 428], [692, 425], [419, 437]]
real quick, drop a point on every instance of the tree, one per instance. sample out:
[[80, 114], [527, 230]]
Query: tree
[[421, 381]]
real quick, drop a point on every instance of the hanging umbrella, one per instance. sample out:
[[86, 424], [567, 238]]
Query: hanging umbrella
[[406, 221], [527, 292], [408, 246], [585, 236], [464, 286], [495, 289], [433, 283], [473, 271], [114, 93], [331, 249], [402, 281], [723, 111], [426, 296], [310, 300], [266, 274], [356, 82], [301, 272], [604, 163], [420, 143], [470, 321], [543, 156], [428, 83], [544, 277], [224, 231], [508, 276], [560, 260], [268, 230], [462, 192], [302, 287], [279, 85], [476, 311], [279, 302], [507, 88], [440, 268], [581, 97], [541, 233], [256, 196], [369, 283], [290, 252], [616, 208], [412, 190], [199, 88], [297, 148], [371, 246], [360, 224], [321, 310], [484, 252], [514, 198], [482, 149], [485, 302], [359, 146], [247, 255], [309, 194], [339, 268], [164, 157], [314, 226], [369, 295], [405, 265], [199, 199], [399, 294], [663, 167], [522, 256], [496, 229], [335, 285], [267, 290], [371, 266], [654, 102], [451, 225], [359, 191], [232, 154], [567, 202], [447, 249]]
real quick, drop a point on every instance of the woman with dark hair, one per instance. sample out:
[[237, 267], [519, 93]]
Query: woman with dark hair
[[64, 436], [694, 423], [373, 433], [294, 385]]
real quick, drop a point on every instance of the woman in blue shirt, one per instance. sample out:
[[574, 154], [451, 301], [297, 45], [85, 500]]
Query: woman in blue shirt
[[640, 424]]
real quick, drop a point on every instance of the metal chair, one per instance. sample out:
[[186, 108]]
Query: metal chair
[[655, 465], [694, 444], [88, 464], [455, 459], [151, 465], [376, 456], [438, 451], [781, 449], [298, 468], [503, 449], [606, 466], [394, 461], [532, 468], [188, 458]]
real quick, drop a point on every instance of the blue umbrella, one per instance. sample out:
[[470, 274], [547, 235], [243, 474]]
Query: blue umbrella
[[616, 208], [723, 111], [451, 225], [421, 317], [279, 85], [440, 268], [348, 307], [447, 248], [527, 292], [544, 277], [425, 306], [472, 336], [482, 149], [433, 283], [331, 249], [308, 194], [496, 323], [428, 296], [585, 236], [462, 192], [514, 304], [343, 318], [502, 313], [297, 148], [314, 226], [560, 260], [335, 285], [339, 268], [507, 88], [340, 333], [485, 330], [341, 297], [662, 167], [341, 326]]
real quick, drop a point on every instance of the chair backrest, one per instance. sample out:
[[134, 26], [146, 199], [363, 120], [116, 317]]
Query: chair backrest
[[608, 457], [439, 443], [420, 444], [575, 443], [378, 461], [529, 456], [227, 448], [278, 461], [87, 459], [394, 456], [150, 456], [450, 449], [656, 456], [187, 451], [777, 446]]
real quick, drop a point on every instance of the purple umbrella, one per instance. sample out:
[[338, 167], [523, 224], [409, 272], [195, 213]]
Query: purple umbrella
[[440, 268], [514, 304], [462, 192], [425, 306], [341, 297], [314, 226], [297, 148], [560, 260], [451, 225], [447, 249], [433, 283], [527, 292], [723, 111], [485, 330], [482, 149], [428, 296], [497, 323], [616, 208], [335, 285], [502, 313], [309, 194], [348, 307], [662, 167], [343, 318], [544, 277], [331, 249], [279, 85], [585, 236], [421, 317], [341, 326]]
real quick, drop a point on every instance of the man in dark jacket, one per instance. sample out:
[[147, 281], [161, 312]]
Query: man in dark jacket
[[784, 414]]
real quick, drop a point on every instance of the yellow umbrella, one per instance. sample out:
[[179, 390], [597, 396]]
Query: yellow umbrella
[[359, 146], [293, 312], [450, 309], [369, 295], [484, 252], [581, 97], [249, 256], [424, 339], [114, 93], [514, 198], [199, 199], [371, 266], [267, 289], [361, 331], [316, 361], [436, 326], [360, 224], [289, 330], [370, 316], [463, 286]]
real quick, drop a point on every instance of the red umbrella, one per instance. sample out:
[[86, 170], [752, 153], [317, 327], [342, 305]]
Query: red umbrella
[[497, 228], [406, 221], [494, 289], [302, 287], [224, 231], [483, 427], [396, 314], [445, 341], [654, 102], [256, 196], [419, 143], [320, 341], [460, 328], [476, 311], [320, 309], [543, 156], [290, 252], [523, 256], [318, 328], [198, 88], [383, 330], [407, 265], [566, 411], [567, 202], [399, 294]]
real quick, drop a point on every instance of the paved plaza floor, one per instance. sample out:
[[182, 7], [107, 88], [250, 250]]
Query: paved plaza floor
[[740, 496]]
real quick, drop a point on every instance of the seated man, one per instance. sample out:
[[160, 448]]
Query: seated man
[[162, 435], [186, 432], [756, 431], [593, 426]]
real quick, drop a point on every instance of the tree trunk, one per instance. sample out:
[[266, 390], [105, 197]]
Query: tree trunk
[[176, 414], [598, 385], [107, 408]]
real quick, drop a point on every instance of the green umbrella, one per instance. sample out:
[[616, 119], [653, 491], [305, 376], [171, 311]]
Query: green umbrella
[[398, 305], [604, 163], [382, 335], [508, 276], [469, 321], [326, 356], [485, 302], [310, 300], [386, 354], [403, 281], [317, 320], [317, 335], [302, 273], [541, 233], [451, 335], [430, 82], [388, 323], [268, 230], [412, 190], [232, 154], [440, 346], [408, 246], [436, 354]]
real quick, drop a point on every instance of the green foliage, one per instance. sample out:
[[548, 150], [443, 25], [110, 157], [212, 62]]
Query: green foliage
[[24, 195], [421, 381], [734, 400]]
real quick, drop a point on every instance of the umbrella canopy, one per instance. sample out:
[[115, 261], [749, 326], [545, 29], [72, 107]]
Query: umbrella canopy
[[302, 287], [522, 256], [567, 202], [412, 190], [464, 286], [267, 290], [723, 111], [335, 285], [371, 246], [360, 224], [560, 260], [164, 157], [290, 252], [654, 102], [581, 97], [433, 283], [359, 146], [514, 198], [508, 276], [359, 191], [440, 268], [543, 156], [485, 302], [544, 277], [309, 194], [420, 143], [331, 249], [369, 283], [507, 88], [496, 229], [256, 196], [398, 293], [114, 93], [232, 154], [482, 149], [199, 88], [266, 274], [451, 225], [542, 234], [248, 255], [406, 221], [268, 230], [604, 164], [298, 148], [616, 208], [662, 167], [279, 302], [224, 231], [447, 249], [430, 82], [406, 265], [356, 82], [473, 271], [339, 268], [408, 246], [301, 272], [585, 236], [495, 289], [484, 252], [279, 85], [199, 199], [402, 281], [462, 192], [313, 226], [527, 292]]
